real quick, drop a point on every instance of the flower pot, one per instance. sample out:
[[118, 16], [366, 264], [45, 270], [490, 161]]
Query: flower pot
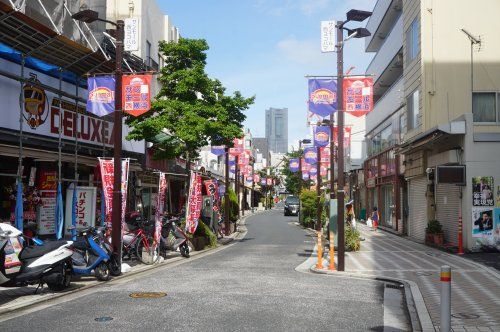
[[429, 238], [438, 239]]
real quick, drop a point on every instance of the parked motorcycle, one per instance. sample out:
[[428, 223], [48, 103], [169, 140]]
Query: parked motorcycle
[[169, 226], [92, 254], [21, 265]]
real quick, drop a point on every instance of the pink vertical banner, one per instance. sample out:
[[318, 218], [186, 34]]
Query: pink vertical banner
[[194, 203], [160, 205], [107, 177]]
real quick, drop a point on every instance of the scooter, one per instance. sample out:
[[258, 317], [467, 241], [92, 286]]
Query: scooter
[[49, 263], [169, 225], [91, 254]]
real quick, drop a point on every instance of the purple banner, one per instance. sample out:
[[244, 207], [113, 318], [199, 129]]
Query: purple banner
[[218, 150], [305, 176], [294, 165], [313, 172], [263, 181], [310, 155], [322, 97], [101, 100], [321, 136]]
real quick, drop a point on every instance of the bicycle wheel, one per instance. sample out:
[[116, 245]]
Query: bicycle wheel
[[147, 250]]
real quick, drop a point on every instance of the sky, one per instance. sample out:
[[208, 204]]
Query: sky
[[264, 48]]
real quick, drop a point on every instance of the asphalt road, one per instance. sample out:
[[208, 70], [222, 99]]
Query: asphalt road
[[251, 285]]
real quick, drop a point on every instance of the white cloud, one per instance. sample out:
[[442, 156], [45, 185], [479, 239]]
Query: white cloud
[[280, 7], [309, 7], [305, 52]]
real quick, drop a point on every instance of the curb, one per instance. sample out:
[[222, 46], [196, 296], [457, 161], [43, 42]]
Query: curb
[[415, 305], [234, 236]]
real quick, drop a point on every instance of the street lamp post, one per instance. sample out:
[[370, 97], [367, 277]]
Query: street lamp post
[[89, 16], [227, 204], [358, 16]]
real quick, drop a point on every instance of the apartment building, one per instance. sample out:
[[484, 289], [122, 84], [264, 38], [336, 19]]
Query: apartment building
[[443, 110]]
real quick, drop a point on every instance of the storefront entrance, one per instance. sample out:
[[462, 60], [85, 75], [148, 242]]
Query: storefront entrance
[[387, 205]]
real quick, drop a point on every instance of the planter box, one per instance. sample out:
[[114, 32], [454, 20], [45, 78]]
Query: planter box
[[199, 243]]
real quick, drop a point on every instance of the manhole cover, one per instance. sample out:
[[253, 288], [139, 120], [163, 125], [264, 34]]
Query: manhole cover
[[147, 295], [424, 274], [462, 315], [103, 319]]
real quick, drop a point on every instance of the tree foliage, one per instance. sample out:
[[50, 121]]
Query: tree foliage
[[293, 181], [191, 107]]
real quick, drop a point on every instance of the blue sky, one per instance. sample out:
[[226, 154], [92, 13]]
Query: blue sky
[[265, 47]]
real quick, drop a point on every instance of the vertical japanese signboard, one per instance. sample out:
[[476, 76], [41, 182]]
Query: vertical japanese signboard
[[47, 211], [86, 198], [160, 205], [328, 31], [131, 35], [194, 203]]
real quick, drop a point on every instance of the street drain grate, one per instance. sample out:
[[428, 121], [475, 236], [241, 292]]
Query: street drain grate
[[424, 274], [462, 315], [394, 286], [103, 319], [148, 295]]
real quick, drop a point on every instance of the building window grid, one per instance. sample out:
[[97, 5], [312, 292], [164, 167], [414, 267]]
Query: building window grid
[[412, 39], [413, 108], [486, 110]]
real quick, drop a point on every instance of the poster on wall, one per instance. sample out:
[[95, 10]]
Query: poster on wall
[[482, 222], [482, 191], [86, 201], [46, 217]]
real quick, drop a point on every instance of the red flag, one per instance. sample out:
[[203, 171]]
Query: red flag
[[358, 95], [136, 94]]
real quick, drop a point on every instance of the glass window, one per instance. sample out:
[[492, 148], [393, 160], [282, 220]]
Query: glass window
[[401, 128], [412, 40], [279, 127], [484, 107], [413, 106], [385, 137]]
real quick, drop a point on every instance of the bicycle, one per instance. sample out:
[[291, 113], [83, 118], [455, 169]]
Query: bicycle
[[139, 241]]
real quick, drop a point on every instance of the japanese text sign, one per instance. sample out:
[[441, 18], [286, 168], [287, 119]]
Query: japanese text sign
[[136, 94], [358, 95]]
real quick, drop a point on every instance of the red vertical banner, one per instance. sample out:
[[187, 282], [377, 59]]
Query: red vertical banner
[[269, 181], [107, 177], [325, 155], [256, 178], [347, 136], [194, 203], [358, 95], [160, 205], [136, 91]]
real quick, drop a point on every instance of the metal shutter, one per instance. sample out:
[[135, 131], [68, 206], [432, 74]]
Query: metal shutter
[[417, 220], [447, 205]]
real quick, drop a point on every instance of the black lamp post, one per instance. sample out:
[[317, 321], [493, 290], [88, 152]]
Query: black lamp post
[[358, 16], [89, 16]]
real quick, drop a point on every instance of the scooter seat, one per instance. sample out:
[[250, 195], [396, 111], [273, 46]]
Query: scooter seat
[[38, 251]]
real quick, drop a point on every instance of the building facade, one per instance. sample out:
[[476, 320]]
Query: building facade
[[277, 129], [446, 109]]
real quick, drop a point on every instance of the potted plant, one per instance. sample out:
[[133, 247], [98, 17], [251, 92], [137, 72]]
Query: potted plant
[[434, 233]]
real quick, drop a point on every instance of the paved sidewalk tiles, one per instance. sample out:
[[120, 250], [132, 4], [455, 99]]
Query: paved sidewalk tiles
[[475, 288]]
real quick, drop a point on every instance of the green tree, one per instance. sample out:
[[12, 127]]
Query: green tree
[[293, 181], [191, 108]]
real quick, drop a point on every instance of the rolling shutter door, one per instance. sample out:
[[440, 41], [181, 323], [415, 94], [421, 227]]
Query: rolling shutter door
[[447, 206], [417, 220]]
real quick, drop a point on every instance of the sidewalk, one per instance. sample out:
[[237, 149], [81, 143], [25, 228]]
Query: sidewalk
[[12, 299], [475, 288]]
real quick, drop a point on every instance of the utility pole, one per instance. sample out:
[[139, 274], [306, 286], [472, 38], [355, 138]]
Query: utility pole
[[318, 190], [340, 180], [227, 204]]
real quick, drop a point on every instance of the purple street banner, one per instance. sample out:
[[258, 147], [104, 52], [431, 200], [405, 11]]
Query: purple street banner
[[322, 97], [313, 172], [218, 150], [263, 181], [294, 165], [101, 100], [321, 135], [232, 168], [305, 176], [310, 155]]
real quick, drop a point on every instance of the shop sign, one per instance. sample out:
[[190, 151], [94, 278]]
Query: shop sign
[[86, 200], [370, 183], [328, 39], [131, 34], [136, 94], [47, 213], [194, 203], [107, 177], [482, 191], [485, 222]]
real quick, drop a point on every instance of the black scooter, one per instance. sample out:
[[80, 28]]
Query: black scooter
[[169, 225]]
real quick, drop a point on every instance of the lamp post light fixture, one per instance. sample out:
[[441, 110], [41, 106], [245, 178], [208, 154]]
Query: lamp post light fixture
[[89, 16], [358, 16]]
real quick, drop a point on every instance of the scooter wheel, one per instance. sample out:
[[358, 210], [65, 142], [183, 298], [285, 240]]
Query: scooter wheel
[[114, 268], [102, 272], [64, 280], [184, 249]]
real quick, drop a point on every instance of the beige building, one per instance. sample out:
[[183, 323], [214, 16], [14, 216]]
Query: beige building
[[451, 116]]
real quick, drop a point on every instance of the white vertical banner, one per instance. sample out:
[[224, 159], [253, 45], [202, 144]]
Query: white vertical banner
[[328, 36], [131, 38]]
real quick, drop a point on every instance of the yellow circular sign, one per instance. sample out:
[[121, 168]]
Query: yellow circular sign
[[147, 295]]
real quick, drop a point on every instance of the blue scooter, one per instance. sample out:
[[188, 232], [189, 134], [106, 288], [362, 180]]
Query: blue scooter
[[91, 254]]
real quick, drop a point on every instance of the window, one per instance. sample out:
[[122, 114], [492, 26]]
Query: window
[[148, 53], [413, 106], [385, 137], [412, 40], [401, 128], [485, 106], [279, 127]]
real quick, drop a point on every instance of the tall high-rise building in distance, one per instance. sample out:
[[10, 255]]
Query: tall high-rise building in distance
[[277, 129]]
